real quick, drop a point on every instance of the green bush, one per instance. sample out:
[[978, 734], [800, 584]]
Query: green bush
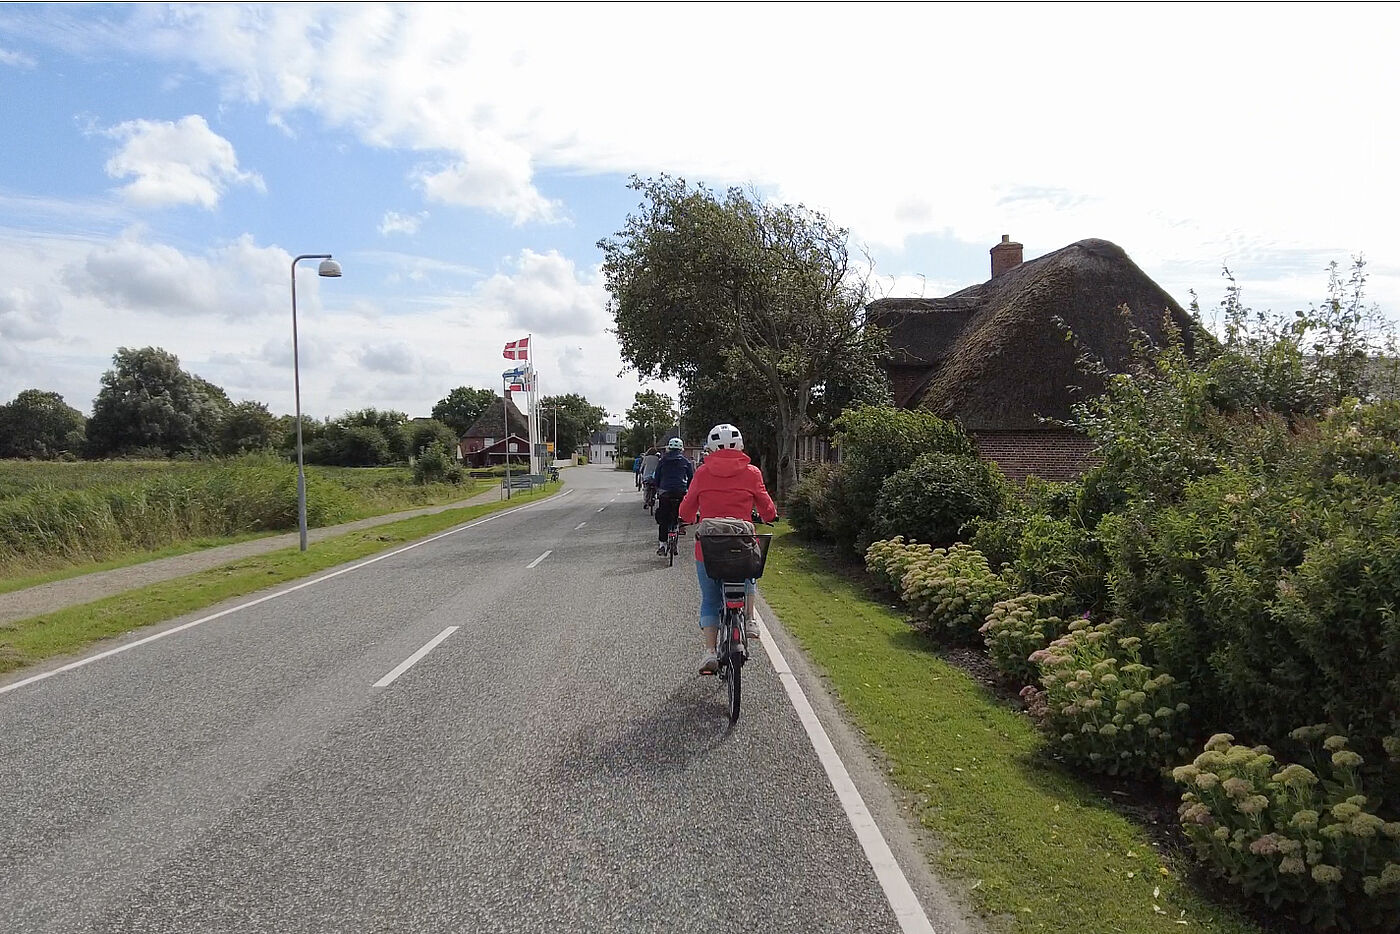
[[1362, 441], [888, 561], [807, 503], [437, 465], [1289, 835], [950, 592], [1060, 556], [876, 442], [1102, 707], [1020, 626], [932, 499]]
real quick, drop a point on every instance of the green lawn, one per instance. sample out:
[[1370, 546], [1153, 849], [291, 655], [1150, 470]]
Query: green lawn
[[27, 641], [1035, 849]]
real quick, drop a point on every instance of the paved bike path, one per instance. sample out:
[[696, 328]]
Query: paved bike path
[[552, 765]]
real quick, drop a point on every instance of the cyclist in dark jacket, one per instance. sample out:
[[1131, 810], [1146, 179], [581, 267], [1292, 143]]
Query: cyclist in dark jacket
[[673, 474]]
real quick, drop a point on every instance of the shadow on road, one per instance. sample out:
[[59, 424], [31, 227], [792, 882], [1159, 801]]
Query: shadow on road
[[688, 725]]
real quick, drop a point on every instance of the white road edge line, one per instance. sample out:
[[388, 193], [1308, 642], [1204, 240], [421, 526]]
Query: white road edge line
[[536, 562], [415, 658], [898, 892], [579, 526], [602, 507], [7, 688]]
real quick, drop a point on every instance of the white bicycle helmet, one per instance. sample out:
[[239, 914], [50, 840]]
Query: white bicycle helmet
[[724, 436], [675, 444]]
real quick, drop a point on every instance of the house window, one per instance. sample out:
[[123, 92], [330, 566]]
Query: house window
[[490, 441]]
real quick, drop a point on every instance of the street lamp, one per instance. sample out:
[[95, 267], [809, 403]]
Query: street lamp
[[331, 270]]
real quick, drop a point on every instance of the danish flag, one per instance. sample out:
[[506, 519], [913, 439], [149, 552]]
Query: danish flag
[[517, 350]]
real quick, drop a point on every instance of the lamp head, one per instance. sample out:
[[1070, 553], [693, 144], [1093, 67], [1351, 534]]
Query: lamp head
[[329, 268]]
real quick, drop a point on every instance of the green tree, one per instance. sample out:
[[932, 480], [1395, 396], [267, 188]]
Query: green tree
[[424, 432], [38, 424], [148, 402], [389, 423], [650, 414], [695, 276], [248, 426], [464, 405], [577, 419]]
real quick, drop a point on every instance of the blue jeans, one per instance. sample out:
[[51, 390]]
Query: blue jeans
[[712, 597]]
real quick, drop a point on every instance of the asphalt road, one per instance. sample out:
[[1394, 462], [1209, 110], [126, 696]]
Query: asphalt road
[[553, 765]]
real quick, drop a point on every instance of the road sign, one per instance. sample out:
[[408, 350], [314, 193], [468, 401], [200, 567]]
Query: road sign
[[549, 446]]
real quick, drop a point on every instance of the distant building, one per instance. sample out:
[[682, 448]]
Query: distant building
[[994, 358], [487, 443], [602, 445]]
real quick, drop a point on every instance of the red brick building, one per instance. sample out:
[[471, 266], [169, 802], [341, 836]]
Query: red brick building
[[994, 356], [487, 443]]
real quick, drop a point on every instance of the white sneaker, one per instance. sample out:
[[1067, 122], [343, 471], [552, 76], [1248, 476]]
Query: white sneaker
[[661, 549], [709, 662]]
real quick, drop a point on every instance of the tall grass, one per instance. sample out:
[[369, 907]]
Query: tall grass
[[52, 525]]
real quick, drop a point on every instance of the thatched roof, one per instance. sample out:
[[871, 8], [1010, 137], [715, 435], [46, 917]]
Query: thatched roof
[[490, 423], [995, 357]]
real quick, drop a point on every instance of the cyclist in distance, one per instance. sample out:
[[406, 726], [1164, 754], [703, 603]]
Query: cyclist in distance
[[637, 470], [673, 474], [726, 486], [649, 462]]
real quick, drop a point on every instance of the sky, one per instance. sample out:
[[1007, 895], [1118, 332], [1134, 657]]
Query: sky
[[163, 164]]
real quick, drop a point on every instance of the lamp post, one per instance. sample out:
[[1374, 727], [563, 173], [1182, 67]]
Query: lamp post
[[331, 270]]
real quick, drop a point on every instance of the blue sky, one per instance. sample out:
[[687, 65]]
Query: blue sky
[[164, 163]]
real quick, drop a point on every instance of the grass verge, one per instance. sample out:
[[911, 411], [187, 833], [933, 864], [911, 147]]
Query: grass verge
[[24, 642], [1037, 850]]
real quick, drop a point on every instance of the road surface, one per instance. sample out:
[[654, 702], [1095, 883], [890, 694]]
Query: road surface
[[551, 762]]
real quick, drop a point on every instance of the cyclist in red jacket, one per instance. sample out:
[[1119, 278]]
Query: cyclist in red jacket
[[726, 486]]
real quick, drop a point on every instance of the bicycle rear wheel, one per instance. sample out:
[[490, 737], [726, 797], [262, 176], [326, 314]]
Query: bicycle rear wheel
[[732, 684], [671, 551]]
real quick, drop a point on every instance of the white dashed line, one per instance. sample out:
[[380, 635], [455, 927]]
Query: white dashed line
[[538, 560], [413, 659], [898, 892], [602, 507], [579, 526], [44, 675]]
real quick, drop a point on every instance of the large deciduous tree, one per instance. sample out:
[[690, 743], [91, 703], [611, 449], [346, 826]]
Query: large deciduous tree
[[40, 425], [248, 426], [703, 283], [649, 416], [148, 403], [577, 419], [464, 405]]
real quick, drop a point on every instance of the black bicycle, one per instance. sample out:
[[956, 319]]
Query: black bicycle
[[649, 497], [733, 560], [673, 543]]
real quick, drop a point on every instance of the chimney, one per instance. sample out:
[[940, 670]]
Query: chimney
[[1005, 255]]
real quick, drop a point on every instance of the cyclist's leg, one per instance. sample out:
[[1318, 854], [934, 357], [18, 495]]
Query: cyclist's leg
[[711, 606], [666, 508]]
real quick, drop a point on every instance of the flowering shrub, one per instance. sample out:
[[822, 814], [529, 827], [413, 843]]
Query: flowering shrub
[[951, 591], [1018, 627], [1293, 835], [1102, 707], [889, 560]]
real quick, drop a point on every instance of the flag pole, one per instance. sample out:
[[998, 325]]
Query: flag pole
[[505, 420]]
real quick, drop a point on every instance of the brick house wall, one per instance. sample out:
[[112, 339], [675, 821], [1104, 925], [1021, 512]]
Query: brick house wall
[[1051, 454]]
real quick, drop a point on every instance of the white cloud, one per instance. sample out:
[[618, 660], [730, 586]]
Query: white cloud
[[869, 112], [543, 292], [498, 181], [394, 222], [393, 358], [16, 59], [238, 281], [25, 316], [225, 313], [183, 162]]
